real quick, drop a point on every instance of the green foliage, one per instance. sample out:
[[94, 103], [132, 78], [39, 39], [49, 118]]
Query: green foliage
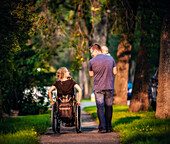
[[113, 42], [17, 21], [14, 124], [86, 100], [136, 41], [32, 108], [77, 20], [38, 37], [20, 57], [137, 127], [25, 129], [151, 22], [125, 18]]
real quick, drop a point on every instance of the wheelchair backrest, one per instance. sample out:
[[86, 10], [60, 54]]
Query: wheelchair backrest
[[66, 107], [66, 98]]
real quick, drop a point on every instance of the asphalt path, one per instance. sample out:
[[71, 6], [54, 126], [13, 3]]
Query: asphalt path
[[89, 134]]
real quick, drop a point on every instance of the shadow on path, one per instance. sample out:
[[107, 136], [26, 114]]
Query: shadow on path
[[89, 134]]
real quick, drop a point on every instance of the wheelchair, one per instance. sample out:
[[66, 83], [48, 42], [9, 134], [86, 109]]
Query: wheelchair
[[66, 111]]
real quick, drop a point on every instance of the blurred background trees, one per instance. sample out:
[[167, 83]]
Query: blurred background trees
[[38, 37]]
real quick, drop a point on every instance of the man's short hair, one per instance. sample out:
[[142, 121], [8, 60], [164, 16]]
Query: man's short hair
[[96, 47]]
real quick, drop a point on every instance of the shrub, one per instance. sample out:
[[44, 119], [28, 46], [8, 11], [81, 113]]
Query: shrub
[[32, 109]]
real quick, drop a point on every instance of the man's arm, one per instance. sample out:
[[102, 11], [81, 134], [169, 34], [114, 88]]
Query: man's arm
[[91, 73], [114, 70]]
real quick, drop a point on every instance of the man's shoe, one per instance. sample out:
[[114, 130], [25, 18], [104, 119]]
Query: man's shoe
[[109, 130], [102, 131]]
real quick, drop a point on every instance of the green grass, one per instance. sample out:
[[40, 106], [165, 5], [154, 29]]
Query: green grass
[[86, 100], [137, 127], [20, 137], [19, 130]]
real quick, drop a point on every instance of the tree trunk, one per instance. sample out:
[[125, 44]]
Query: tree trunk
[[127, 21], [139, 98], [121, 79], [86, 91], [83, 46], [99, 24], [0, 104], [132, 71], [100, 31], [163, 97], [83, 81]]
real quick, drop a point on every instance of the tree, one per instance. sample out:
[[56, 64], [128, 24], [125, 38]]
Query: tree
[[121, 79], [99, 29], [163, 97], [139, 98], [19, 57], [99, 22], [15, 17], [125, 16], [86, 25], [0, 105], [151, 17]]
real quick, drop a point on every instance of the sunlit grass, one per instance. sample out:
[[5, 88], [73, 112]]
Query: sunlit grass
[[137, 127], [20, 137], [86, 100], [19, 130]]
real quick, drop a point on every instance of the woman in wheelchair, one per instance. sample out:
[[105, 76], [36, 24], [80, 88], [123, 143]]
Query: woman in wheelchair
[[66, 109]]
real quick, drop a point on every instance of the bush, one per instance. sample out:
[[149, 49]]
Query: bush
[[32, 109]]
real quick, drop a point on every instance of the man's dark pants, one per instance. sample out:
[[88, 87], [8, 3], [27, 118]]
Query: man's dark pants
[[104, 99]]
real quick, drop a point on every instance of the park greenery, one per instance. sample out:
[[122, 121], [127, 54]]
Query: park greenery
[[26, 129], [137, 127], [134, 127], [39, 36]]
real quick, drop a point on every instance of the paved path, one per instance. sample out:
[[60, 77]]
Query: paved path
[[89, 133], [86, 104]]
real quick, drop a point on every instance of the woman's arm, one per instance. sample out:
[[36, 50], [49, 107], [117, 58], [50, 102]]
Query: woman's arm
[[50, 95], [76, 86]]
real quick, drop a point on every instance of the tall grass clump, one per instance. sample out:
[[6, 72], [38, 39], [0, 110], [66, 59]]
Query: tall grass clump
[[19, 130], [137, 127], [20, 137], [86, 100]]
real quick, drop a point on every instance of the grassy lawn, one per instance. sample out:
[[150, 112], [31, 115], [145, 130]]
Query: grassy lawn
[[23, 130], [137, 127], [86, 100]]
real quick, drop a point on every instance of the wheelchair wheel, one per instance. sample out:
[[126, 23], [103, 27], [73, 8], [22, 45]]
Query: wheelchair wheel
[[77, 119], [55, 119]]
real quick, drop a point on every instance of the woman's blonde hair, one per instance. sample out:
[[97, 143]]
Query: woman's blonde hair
[[60, 73]]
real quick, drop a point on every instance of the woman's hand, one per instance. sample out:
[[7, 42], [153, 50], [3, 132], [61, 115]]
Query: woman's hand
[[79, 104]]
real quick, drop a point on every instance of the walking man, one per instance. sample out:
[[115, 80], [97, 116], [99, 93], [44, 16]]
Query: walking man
[[102, 68]]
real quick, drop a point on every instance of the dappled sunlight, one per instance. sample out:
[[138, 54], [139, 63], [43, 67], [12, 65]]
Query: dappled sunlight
[[125, 120], [137, 127]]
